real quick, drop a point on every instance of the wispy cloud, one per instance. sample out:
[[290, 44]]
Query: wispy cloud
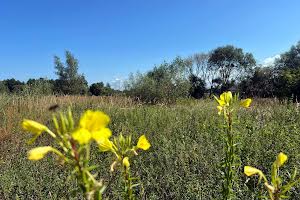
[[270, 60], [118, 82]]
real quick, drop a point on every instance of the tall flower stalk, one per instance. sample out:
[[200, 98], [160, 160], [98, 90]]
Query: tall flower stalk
[[124, 150], [74, 144], [227, 105]]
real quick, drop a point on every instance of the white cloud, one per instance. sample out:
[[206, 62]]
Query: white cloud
[[270, 60], [118, 83]]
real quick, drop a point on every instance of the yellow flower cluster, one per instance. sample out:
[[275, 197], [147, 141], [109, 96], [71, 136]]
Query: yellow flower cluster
[[74, 143], [226, 100], [92, 125], [107, 145]]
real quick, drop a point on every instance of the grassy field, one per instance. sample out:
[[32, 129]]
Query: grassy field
[[183, 162]]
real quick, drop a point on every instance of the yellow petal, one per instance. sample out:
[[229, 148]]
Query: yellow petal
[[222, 96], [228, 96], [82, 136], [220, 109], [126, 162], [249, 171], [103, 133], [143, 143], [39, 152], [105, 144], [94, 120], [225, 98], [220, 102], [281, 159], [246, 103], [33, 126]]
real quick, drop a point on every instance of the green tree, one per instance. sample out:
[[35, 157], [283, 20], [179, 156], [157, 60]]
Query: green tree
[[197, 88], [13, 85], [259, 84], [96, 89], [230, 63], [69, 80], [288, 73], [164, 84], [99, 89]]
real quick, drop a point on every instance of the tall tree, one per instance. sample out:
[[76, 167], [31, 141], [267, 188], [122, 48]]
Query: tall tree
[[260, 84], [198, 66], [69, 80], [288, 73], [230, 63], [199, 74], [197, 88]]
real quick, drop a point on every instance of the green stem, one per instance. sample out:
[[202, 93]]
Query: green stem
[[229, 160], [128, 184]]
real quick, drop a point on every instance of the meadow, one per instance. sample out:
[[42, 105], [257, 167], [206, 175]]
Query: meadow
[[182, 163]]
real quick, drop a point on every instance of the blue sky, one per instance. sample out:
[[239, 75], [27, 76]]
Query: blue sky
[[113, 38]]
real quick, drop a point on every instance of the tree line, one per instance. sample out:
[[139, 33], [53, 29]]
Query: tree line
[[69, 82], [224, 68], [202, 74]]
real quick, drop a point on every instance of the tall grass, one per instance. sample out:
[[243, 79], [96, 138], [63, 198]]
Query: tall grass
[[183, 162]]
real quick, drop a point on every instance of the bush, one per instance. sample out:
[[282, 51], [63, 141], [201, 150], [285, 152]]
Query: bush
[[163, 84]]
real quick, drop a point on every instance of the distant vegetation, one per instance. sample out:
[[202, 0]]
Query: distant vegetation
[[223, 68], [69, 82]]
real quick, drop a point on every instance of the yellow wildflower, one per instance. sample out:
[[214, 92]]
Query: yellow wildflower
[[33, 126], [39, 152], [225, 99], [105, 144], [245, 102], [143, 143], [226, 96], [82, 136], [103, 133], [94, 120], [250, 171], [281, 159], [95, 123], [220, 102], [126, 162]]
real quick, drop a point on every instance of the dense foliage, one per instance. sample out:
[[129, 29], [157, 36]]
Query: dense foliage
[[165, 83], [99, 89], [202, 74]]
